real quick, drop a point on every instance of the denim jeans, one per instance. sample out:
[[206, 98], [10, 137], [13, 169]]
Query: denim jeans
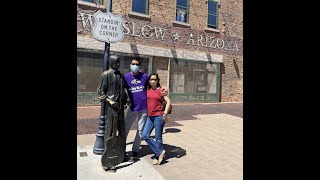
[[156, 123], [130, 118]]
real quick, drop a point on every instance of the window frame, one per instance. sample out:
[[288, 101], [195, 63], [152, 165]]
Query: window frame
[[100, 2], [216, 15], [187, 17], [146, 5]]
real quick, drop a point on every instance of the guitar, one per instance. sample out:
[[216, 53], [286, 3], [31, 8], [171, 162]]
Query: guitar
[[113, 153]]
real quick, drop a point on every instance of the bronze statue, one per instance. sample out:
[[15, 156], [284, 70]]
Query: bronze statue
[[111, 90]]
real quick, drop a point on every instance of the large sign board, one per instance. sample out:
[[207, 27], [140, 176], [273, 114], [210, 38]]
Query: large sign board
[[108, 27]]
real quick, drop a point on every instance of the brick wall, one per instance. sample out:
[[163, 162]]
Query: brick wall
[[162, 14], [160, 66], [231, 79]]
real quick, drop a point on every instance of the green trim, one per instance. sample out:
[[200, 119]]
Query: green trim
[[196, 61], [150, 64], [218, 82], [194, 97]]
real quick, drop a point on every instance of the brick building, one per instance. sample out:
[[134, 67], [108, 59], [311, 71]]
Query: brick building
[[194, 45]]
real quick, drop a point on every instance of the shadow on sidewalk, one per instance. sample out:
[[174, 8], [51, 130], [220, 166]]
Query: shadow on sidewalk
[[167, 130], [171, 151], [171, 130]]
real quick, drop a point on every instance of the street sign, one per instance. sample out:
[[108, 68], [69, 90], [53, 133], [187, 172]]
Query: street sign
[[108, 27]]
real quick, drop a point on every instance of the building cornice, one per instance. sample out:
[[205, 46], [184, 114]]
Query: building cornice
[[90, 43]]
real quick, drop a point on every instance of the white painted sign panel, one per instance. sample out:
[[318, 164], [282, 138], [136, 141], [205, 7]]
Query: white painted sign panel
[[108, 27]]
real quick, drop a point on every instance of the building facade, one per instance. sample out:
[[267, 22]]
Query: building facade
[[194, 45]]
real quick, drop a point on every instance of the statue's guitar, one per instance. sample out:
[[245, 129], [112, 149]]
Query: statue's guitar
[[113, 153]]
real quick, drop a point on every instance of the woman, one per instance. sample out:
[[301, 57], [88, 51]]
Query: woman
[[156, 118]]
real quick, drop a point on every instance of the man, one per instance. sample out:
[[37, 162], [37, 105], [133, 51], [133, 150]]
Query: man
[[136, 83], [111, 90]]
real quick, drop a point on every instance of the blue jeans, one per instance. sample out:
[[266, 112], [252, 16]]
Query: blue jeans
[[130, 118], [157, 123]]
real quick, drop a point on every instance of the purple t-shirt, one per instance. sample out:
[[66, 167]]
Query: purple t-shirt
[[136, 90]]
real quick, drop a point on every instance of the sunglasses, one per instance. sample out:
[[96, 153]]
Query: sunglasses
[[135, 64]]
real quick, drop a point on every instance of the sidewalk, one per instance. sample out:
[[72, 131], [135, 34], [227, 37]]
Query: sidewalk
[[205, 145]]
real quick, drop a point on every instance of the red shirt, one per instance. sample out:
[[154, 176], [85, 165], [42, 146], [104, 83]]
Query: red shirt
[[154, 101]]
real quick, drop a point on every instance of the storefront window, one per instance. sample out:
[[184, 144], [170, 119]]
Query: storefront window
[[192, 77], [90, 66]]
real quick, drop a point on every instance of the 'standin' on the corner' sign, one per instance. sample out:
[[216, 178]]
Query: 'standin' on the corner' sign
[[108, 27]]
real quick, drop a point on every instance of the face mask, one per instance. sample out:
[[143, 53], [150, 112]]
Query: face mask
[[134, 68], [153, 83]]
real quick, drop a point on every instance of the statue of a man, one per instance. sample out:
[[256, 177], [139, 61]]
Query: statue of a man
[[111, 90]]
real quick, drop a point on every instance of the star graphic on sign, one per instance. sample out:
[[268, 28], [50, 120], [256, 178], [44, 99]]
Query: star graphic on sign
[[176, 36]]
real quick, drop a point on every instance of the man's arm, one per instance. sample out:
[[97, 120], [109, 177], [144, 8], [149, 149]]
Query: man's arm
[[103, 87], [124, 89]]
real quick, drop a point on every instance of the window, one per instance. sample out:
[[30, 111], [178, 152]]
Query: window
[[94, 1], [90, 67], [182, 10], [213, 14], [140, 6], [192, 77]]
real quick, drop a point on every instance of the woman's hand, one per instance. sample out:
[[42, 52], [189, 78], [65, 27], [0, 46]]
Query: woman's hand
[[165, 118]]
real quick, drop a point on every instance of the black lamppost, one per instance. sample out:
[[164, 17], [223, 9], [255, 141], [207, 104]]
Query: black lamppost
[[98, 147]]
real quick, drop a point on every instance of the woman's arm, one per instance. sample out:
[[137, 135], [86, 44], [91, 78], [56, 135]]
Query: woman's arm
[[165, 113]]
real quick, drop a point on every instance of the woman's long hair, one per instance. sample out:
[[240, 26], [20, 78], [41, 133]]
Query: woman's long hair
[[158, 83]]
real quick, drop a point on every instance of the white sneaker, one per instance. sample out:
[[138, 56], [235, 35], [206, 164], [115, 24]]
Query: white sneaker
[[155, 161], [161, 157]]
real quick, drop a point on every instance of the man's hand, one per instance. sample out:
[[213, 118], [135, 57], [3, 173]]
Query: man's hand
[[129, 102], [164, 91]]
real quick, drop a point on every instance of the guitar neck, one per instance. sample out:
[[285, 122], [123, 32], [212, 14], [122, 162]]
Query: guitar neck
[[115, 115], [115, 123]]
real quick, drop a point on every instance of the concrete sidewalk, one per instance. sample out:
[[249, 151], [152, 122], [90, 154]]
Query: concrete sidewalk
[[89, 168], [208, 146]]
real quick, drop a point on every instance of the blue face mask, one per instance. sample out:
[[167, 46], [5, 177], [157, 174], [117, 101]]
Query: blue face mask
[[134, 68]]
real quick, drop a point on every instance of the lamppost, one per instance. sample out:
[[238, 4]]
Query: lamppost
[[98, 147]]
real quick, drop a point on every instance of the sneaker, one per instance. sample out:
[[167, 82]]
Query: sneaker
[[155, 161], [161, 156], [135, 156]]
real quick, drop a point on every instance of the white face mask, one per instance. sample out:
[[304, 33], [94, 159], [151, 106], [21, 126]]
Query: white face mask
[[153, 83]]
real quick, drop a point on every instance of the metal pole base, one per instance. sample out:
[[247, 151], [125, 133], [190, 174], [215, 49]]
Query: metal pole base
[[99, 144]]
